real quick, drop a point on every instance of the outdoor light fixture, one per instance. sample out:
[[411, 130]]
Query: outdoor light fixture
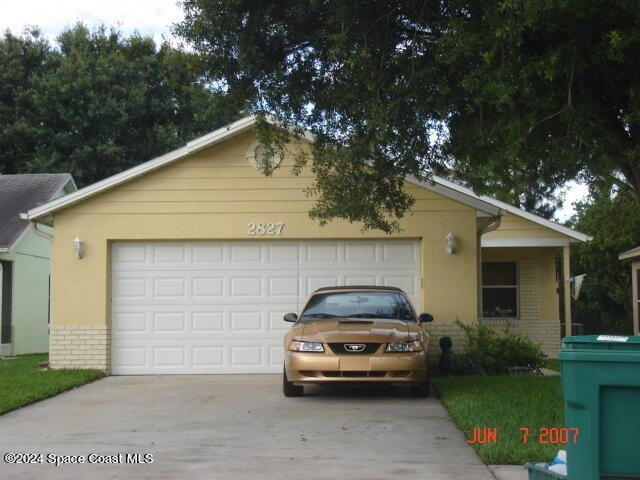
[[78, 248], [450, 243]]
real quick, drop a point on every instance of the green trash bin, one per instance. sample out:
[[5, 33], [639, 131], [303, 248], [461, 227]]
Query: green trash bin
[[601, 386]]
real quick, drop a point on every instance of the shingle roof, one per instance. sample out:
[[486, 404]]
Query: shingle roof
[[19, 193]]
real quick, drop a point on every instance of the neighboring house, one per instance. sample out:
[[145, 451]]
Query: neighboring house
[[187, 263], [24, 261], [634, 256]]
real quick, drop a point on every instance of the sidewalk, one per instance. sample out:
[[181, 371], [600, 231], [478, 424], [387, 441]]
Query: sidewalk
[[509, 472]]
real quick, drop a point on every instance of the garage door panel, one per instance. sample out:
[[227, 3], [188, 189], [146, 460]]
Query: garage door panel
[[208, 322], [275, 356], [170, 253], [243, 322], [169, 322], [208, 356], [246, 287], [282, 286], [401, 251], [320, 252], [246, 252], [132, 357], [315, 281], [130, 322], [170, 356], [217, 307], [276, 322], [284, 254], [227, 324], [130, 254], [167, 287], [207, 253], [405, 282], [133, 287], [361, 280], [207, 287], [247, 355], [360, 252]]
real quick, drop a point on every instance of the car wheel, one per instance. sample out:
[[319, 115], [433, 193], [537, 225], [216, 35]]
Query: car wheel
[[421, 390], [289, 389]]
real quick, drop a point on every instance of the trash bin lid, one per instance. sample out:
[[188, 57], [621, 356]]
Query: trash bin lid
[[603, 343]]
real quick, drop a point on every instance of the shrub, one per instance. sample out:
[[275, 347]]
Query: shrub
[[491, 353]]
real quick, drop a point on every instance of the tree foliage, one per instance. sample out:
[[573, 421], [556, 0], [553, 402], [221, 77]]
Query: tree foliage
[[605, 303], [542, 92], [512, 96], [351, 72], [97, 102]]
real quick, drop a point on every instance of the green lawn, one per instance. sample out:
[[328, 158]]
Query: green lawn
[[22, 383], [552, 364], [506, 403]]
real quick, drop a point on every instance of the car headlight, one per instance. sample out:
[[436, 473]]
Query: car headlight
[[298, 346], [413, 346]]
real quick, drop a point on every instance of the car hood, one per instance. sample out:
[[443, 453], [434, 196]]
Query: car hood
[[357, 330]]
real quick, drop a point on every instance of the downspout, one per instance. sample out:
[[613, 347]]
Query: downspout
[[493, 225], [40, 233]]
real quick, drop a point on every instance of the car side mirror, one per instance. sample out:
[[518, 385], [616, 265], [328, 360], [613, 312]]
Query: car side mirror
[[425, 318], [291, 317]]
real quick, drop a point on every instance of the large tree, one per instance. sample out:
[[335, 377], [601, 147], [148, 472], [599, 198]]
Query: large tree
[[98, 102], [605, 303], [513, 96], [544, 90]]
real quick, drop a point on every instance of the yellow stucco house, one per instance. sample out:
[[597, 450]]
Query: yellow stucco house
[[187, 263]]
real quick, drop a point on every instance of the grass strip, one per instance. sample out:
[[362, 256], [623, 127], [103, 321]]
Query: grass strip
[[23, 383], [506, 403]]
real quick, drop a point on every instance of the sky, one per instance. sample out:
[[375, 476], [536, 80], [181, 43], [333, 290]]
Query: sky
[[148, 17], [575, 192]]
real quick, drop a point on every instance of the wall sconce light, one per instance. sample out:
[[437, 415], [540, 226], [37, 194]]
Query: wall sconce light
[[450, 243], [78, 248]]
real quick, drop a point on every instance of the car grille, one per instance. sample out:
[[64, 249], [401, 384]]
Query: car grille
[[340, 349], [361, 374], [354, 374]]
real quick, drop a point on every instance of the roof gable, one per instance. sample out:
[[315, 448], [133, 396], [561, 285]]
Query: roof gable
[[207, 141], [630, 254], [19, 193], [484, 205], [572, 234]]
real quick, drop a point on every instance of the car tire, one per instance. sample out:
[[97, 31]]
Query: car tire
[[421, 390], [289, 389]]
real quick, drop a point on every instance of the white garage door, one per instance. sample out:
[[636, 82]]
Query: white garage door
[[217, 307]]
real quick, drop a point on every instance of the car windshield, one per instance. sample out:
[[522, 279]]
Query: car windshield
[[387, 305]]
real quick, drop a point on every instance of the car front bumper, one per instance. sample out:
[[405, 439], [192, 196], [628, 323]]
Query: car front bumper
[[308, 368]]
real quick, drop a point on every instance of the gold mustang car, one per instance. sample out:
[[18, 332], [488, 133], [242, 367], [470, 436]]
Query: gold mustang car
[[356, 334]]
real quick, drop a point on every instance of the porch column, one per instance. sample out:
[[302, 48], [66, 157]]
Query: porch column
[[566, 269], [635, 272], [479, 273]]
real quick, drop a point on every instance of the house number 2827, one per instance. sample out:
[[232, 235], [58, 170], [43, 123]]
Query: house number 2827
[[265, 228]]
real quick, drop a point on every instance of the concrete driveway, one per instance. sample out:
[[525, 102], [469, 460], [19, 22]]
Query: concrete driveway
[[240, 426]]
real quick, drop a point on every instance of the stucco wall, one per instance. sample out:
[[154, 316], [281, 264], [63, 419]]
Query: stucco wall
[[30, 329], [214, 195]]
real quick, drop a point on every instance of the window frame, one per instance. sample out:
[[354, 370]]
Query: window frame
[[516, 286]]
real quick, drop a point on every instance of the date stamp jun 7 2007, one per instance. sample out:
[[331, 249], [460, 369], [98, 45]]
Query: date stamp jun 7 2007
[[543, 435]]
